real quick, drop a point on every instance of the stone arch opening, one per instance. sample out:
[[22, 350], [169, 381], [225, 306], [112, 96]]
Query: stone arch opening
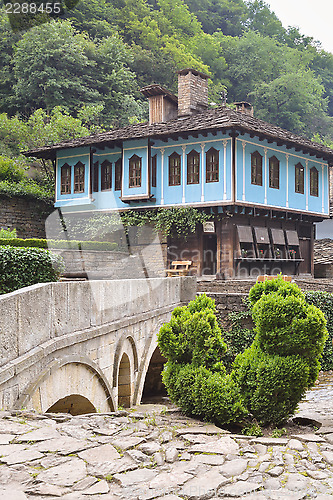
[[75, 404], [124, 382], [153, 387]]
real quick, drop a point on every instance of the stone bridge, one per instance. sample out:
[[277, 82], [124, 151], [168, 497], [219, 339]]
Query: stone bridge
[[81, 347]]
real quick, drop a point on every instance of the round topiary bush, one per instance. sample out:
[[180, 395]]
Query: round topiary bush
[[194, 375], [283, 361]]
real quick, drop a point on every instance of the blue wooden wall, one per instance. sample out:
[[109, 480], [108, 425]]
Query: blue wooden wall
[[202, 194]]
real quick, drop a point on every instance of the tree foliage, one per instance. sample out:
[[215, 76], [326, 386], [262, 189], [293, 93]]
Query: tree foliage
[[92, 62]]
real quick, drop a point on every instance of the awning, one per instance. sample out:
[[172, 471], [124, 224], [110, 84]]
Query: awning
[[292, 238], [262, 235], [278, 236], [245, 234]]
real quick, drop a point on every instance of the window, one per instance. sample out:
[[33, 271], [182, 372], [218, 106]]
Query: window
[[135, 171], [212, 165], [79, 171], [95, 176], [193, 166], [153, 171], [314, 191], [299, 178], [118, 175], [274, 173], [106, 175], [174, 169], [256, 168], [66, 179]]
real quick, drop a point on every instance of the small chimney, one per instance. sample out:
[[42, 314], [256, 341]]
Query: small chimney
[[192, 92], [244, 107], [162, 103]]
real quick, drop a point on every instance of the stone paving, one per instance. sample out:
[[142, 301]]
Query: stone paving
[[155, 452]]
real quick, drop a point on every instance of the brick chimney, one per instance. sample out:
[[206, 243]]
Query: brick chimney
[[244, 107], [162, 103], [192, 92]]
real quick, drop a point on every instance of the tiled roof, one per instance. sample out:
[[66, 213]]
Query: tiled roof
[[221, 118], [323, 251]]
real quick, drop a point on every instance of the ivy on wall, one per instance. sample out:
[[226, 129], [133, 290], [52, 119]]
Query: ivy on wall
[[175, 221]]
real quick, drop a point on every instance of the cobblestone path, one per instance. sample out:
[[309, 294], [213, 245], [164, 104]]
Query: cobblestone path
[[155, 452]]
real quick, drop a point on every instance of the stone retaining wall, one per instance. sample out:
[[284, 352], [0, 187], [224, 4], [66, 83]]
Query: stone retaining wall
[[26, 216]]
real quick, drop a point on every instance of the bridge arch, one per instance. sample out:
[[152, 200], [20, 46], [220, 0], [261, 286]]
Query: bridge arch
[[153, 386], [125, 370], [73, 377], [149, 349]]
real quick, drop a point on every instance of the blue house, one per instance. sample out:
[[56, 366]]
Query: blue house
[[264, 187]]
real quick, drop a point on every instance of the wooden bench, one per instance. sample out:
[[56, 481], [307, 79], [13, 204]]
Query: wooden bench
[[179, 268], [269, 278]]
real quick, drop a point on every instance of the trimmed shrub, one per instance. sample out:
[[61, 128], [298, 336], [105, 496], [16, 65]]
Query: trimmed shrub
[[283, 361], [239, 338], [20, 267], [284, 288], [59, 244], [194, 375], [273, 385]]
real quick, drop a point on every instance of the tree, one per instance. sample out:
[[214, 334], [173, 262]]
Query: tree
[[51, 65], [262, 20], [57, 66], [290, 100], [7, 80], [225, 15]]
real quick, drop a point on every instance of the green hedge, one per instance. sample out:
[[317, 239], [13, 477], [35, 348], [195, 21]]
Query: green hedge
[[59, 244], [20, 267], [324, 301]]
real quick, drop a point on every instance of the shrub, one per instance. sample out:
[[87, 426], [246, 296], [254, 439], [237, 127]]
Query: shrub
[[194, 375], [20, 267], [25, 188], [7, 234], [324, 301], [239, 337], [278, 285], [10, 170], [283, 360]]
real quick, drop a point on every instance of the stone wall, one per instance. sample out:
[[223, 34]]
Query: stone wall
[[144, 261], [26, 216], [226, 303], [229, 295]]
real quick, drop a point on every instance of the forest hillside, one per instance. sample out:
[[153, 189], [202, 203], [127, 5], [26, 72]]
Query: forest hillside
[[81, 72]]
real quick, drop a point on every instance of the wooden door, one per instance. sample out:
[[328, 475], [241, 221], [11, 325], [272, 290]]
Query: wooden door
[[305, 251]]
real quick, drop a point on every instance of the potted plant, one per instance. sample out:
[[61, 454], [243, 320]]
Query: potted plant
[[244, 253], [278, 253], [292, 254]]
